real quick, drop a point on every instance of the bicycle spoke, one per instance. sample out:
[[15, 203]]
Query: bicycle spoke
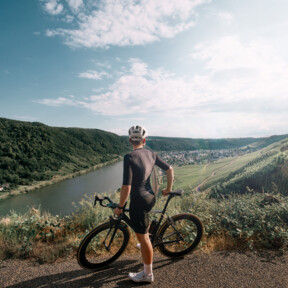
[[100, 249], [180, 235]]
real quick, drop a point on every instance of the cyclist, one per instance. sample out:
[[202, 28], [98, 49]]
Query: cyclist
[[138, 166]]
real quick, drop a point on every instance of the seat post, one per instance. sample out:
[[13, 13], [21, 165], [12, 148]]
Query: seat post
[[167, 202]]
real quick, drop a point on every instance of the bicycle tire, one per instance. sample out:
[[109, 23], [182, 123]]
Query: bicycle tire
[[91, 253], [179, 235]]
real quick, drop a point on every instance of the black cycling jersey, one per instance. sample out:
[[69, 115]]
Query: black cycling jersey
[[138, 166]]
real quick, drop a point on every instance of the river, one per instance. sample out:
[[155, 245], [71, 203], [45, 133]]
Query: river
[[58, 198]]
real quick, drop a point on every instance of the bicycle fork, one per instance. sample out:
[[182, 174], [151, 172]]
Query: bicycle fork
[[114, 224]]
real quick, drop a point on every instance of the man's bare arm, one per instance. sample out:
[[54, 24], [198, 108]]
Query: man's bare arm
[[124, 194], [170, 179]]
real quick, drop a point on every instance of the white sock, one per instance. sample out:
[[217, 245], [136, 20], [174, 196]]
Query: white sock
[[148, 269]]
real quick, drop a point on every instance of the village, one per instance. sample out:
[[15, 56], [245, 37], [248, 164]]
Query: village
[[181, 158]]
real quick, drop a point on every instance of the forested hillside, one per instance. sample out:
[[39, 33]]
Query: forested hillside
[[188, 144], [33, 151]]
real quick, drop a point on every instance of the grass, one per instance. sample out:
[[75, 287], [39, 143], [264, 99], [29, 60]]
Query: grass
[[240, 222], [207, 175], [191, 176]]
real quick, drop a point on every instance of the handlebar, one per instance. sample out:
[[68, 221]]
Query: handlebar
[[100, 199], [113, 205]]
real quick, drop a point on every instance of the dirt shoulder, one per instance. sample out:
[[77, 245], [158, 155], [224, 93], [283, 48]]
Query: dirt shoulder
[[218, 269]]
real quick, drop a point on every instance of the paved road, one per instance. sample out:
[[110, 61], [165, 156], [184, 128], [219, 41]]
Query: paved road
[[217, 270]]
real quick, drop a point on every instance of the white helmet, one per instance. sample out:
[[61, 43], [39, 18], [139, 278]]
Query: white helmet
[[137, 133]]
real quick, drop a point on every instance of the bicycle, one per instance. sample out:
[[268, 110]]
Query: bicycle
[[176, 237]]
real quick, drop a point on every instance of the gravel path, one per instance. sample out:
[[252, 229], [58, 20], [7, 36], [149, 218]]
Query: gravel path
[[218, 269]]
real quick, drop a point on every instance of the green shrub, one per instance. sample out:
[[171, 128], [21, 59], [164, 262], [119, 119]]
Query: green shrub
[[247, 221]]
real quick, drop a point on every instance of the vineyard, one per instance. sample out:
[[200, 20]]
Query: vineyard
[[261, 171]]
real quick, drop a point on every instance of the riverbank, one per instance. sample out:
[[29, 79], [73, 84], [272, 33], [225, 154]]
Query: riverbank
[[23, 189]]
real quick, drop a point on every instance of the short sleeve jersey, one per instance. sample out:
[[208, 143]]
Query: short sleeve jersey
[[138, 166]]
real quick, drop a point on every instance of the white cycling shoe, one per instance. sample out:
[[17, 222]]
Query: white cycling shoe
[[141, 277]]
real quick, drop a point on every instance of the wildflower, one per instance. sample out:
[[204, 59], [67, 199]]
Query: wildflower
[[5, 221]]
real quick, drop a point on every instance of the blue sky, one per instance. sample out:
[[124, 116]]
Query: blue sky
[[189, 68]]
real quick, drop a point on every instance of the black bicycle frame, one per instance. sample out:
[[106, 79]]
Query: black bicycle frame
[[153, 236], [153, 239], [115, 222]]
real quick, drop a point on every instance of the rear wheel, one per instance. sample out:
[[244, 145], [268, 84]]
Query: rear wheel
[[96, 251], [179, 235]]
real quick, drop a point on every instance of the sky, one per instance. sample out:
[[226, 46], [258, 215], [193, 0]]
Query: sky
[[188, 68]]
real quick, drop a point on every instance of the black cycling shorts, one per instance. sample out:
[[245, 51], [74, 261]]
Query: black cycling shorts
[[139, 209]]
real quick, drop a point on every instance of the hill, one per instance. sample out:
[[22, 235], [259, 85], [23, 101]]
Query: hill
[[189, 144], [33, 151], [264, 170]]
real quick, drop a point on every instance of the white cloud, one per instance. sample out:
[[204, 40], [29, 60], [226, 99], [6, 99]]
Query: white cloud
[[57, 102], [140, 91], [230, 53], [248, 78], [243, 84], [91, 74], [252, 70], [127, 22], [68, 19], [50, 33], [75, 5], [138, 68], [225, 17], [53, 7], [102, 64]]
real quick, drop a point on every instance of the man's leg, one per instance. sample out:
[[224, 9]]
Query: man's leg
[[146, 248], [147, 256]]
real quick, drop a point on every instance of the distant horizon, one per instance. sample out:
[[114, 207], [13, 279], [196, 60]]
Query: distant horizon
[[256, 137], [193, 68]]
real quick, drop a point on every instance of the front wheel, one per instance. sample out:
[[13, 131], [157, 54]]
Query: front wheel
[[179, 235], [102, 246]]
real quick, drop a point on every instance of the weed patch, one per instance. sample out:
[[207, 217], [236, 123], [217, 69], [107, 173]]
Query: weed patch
[[239, 223]]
